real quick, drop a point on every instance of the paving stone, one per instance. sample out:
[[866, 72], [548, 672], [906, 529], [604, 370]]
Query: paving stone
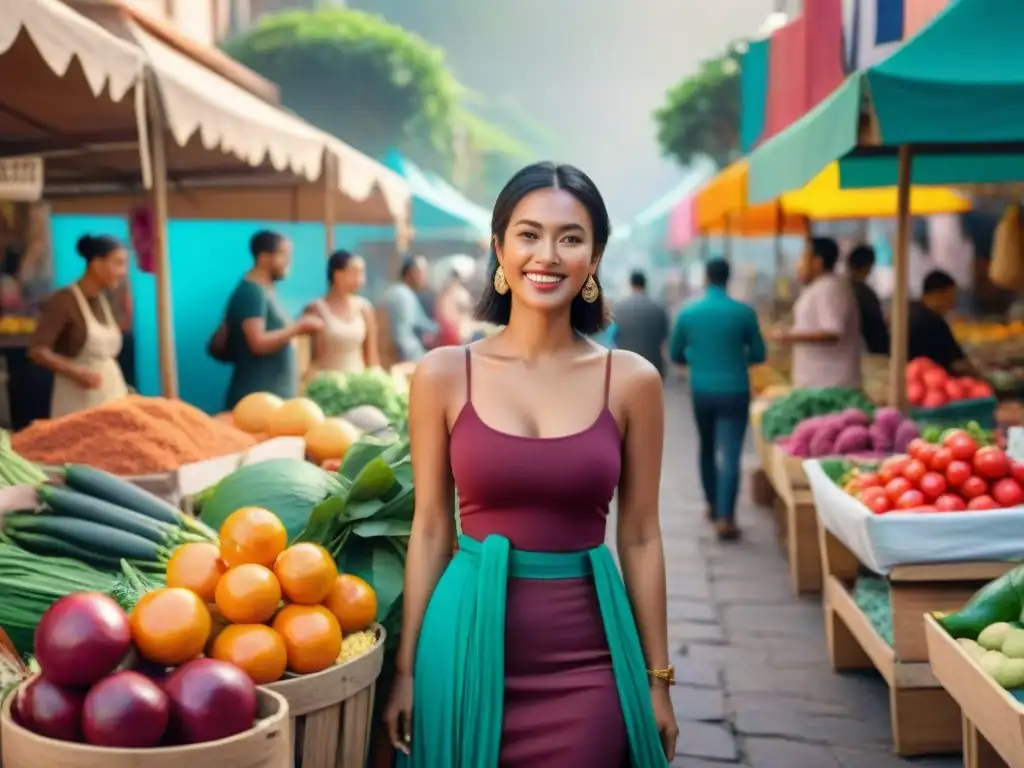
[[844, 731], [692, 588], [692, 703], [706, 740], [691, 610], [779, 753], [729, 657], [696, 762], [750, 591], [773, 620], [694, 673], [865, 758], [692, 632]]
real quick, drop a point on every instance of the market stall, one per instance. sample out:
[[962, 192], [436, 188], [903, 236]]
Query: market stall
[[167, 137]]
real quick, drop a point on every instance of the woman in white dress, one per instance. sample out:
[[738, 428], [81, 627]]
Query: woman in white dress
[[348, 341]]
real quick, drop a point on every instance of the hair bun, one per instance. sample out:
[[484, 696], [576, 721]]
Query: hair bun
[[86, 246]]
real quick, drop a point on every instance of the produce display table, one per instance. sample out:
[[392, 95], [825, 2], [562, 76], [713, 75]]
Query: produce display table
[[925, 719], [797, 521], [332, 711], [761, 489], [993, 720]]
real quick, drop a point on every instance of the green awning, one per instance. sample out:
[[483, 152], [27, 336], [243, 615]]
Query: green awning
[[959, 81]]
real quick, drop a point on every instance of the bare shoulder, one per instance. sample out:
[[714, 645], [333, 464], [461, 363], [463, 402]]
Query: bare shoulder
[[633, 373], [441, 368]]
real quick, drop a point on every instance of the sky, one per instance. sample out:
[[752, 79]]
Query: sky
[[590, 72]]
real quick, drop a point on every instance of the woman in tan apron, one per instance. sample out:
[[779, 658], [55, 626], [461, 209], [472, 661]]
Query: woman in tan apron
[[78, 337]]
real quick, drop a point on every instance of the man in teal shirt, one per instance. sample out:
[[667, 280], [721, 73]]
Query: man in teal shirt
[[719, 339]]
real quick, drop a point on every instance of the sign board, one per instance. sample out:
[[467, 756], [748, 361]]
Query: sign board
[[21, 179]]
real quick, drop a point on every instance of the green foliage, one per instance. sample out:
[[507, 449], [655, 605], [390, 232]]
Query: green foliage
[[355, 75], [701, 114]]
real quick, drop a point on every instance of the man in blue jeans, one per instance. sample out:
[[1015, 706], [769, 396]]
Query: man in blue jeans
[[719, 339]]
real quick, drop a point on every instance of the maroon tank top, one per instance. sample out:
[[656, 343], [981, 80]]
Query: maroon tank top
[[543, 494]]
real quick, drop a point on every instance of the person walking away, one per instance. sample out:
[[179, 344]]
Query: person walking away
[[408, 323], [826, 324], [873, 329], [930, 334], [642, 324], [78, 337], [257, 335], [718, 338], [348, 341], [536, 427]]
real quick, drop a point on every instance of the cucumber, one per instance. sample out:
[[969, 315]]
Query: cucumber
[[111, 488], [41, 544], [73, 504], [101, 539]]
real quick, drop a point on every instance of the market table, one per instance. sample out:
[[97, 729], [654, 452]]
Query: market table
[[993, 720], [796, 520]]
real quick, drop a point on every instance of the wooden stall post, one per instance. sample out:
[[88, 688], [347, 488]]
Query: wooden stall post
[[158, 202], [901, 262]]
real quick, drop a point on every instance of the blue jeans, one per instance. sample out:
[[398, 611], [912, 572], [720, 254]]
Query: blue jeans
[[722, 426]]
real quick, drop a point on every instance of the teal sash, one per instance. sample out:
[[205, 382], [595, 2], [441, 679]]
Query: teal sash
[[460, 661]]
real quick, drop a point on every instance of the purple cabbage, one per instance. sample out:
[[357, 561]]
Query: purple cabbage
[[854, 417], [905, 433], [888, 420], [853, 439], [881, 440], [824, 441]]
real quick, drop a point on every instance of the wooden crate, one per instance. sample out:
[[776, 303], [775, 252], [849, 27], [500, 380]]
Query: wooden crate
[[993, 721], [925, 719], [265, 745], [332, 711], [796, 522]]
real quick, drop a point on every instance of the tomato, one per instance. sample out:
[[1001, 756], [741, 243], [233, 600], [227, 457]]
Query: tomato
[[941, 459], [979, 390], [918, 366], [915, 393], [910, 500], [954, 390], [892, 468], [973, 487], [926, 454], [1017, 471], [897, 487], [869, 480], [950, 502], [990, 462], [935, 379], [877, 502], [934, 398], [982, 502], [915, 446], [957, 472], [932, 485], [1008, 492], [961, 444], [914, 470]]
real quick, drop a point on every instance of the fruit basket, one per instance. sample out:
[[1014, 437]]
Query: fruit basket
[[265, 745], [332, 710]]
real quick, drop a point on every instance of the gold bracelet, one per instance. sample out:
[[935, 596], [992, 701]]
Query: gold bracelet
[[668, 674]]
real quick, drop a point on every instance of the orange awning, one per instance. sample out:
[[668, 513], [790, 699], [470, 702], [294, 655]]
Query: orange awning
[[765, 220]]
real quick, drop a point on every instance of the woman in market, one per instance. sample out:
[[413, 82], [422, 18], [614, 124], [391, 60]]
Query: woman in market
[[347, 343], [454, 311], [78, 337], [530, 653]]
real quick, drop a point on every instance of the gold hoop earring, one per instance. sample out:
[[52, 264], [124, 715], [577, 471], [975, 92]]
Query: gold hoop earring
[[590, 291], [500, 283]]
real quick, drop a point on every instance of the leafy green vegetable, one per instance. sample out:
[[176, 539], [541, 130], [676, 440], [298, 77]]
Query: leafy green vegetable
[[336, 393], [782, 416], [936, 433]]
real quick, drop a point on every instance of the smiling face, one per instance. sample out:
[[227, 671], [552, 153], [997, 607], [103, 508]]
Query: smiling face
[[548, 249]]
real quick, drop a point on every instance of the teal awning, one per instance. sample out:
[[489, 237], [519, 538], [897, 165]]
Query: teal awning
[[960, 81], [439, 211]]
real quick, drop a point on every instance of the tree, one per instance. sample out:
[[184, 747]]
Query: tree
[[701, 115], [360, 78]]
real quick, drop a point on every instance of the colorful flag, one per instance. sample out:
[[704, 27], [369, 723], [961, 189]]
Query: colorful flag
[[873, 43], [787, 77], [753, 93], [888, 21], [824, 30], [917, 13]]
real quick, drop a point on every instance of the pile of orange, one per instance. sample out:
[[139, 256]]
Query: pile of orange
[[253, 601]]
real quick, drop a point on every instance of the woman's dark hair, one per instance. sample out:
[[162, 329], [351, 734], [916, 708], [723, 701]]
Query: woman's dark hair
[[91, 247], [265, 241], [496, 308], [337, 262]]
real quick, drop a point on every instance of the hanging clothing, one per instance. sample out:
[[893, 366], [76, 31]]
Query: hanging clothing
[[342, 347], [99, 354]]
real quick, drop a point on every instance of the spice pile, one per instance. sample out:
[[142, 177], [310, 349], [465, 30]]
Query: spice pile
[[131, 436]]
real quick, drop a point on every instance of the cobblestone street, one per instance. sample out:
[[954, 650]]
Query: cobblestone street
[[755, 687]]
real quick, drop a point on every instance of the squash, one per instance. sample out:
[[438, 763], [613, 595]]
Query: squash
[[252, 413], [330, 440], [295, 418]]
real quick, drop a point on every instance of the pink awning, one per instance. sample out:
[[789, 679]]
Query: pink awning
[[682, 223]]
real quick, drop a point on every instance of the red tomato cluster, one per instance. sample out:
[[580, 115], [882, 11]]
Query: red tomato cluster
[[929, 386], [952, 477]]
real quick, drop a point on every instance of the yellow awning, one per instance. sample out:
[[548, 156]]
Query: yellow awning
[[724, 198], [822, 198]]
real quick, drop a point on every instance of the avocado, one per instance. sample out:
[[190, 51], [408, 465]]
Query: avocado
[[1013, 645], [991, 637], [1010, 674]]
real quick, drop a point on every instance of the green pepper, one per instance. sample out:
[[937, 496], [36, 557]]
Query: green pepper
[[999, 600]]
